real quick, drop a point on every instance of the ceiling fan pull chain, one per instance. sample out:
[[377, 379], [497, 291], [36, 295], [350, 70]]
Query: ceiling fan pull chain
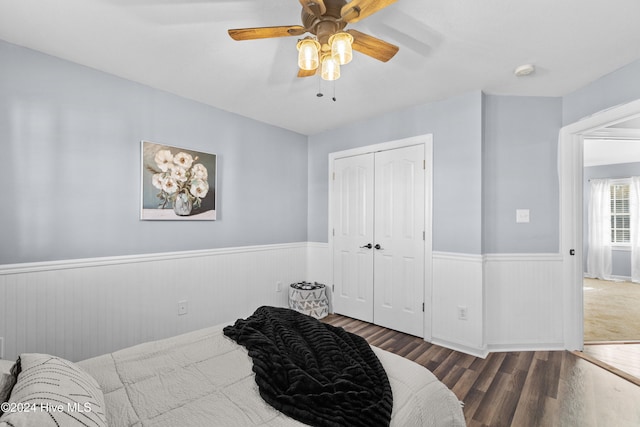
[[319, 94], [334, 91]]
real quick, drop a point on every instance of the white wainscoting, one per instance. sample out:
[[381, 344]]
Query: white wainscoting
[[319, 267], [319, 263], [457, 282], [524, 302], [81, 308]]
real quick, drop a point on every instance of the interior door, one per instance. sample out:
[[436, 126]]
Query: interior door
[[399, 239], [353, 236]]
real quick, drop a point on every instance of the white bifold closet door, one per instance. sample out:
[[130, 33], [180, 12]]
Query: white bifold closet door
[[379, 223]]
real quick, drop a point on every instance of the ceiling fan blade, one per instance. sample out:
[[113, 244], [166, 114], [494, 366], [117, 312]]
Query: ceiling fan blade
[[356, 10], [375, 48], [314, 7], [266, 32], [306, 73]]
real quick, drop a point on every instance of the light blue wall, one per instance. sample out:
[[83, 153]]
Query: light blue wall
[[621, 259], [492, 155], [618, 87], [520, 172], [70, 149], [456, 125], [70, 144]]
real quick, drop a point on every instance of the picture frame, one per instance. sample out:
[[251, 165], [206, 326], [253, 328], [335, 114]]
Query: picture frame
[[177, 183]]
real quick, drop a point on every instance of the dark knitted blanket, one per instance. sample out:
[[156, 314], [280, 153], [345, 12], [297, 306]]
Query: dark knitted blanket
[[316, 373]]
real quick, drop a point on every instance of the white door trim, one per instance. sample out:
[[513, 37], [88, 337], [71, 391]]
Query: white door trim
[[570, 172], [427, 140]]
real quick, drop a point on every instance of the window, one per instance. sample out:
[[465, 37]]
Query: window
[[620, 231]]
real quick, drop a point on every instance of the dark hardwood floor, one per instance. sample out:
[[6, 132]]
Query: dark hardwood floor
[[520, 389]]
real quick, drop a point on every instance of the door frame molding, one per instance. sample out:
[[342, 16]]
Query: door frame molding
[[570, 172], [427, 141]]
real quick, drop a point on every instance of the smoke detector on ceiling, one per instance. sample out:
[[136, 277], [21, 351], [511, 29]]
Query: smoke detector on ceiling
[[524, 70]]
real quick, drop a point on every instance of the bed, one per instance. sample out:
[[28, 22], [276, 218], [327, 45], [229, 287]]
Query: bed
[[201, 378]]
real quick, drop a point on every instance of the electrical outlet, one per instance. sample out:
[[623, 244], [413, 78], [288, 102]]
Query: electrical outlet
[[182, 307], [462, 312], [278, 286]]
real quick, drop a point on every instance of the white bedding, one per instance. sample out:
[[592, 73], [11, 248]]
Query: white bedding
[[203, 378]]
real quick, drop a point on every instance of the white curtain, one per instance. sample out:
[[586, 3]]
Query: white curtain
[[634, 217], [599, 250]]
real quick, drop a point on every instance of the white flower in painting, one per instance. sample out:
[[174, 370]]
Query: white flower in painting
[[199, 188], [179, 177], [179, 174], [199, 172], [156, 180], [182, 159], [169, 185], [163, 159]]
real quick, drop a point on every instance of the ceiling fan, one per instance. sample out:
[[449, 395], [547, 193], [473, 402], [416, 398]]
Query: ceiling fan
[[330, 46]]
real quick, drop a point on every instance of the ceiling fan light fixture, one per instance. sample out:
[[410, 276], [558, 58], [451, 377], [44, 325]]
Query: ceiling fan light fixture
[[330, 68], [308, 58], [341, 47], [329, 46]]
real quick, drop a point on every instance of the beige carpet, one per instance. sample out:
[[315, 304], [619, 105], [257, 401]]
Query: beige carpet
[[611, 311]]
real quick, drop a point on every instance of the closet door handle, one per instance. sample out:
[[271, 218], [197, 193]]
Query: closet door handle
[[378, 247], [368, 246]]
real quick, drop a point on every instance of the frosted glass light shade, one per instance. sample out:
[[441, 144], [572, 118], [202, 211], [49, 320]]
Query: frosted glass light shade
[[330, 68], [341, 47], [308, 54]]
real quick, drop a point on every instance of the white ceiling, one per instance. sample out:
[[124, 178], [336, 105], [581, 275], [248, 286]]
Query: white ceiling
[[447, 47], [614, 144], [599, 152]]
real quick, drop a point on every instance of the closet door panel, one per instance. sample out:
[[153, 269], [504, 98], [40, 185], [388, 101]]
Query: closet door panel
[[353, 236], [399, 245]]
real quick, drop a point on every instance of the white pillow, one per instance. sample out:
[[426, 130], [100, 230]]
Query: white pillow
[[5, 366], [51, 391]]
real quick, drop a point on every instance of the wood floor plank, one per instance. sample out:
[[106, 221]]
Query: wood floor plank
[[519, 389], [464, 385], [447, 365], [531, 403], [488, 412], [494, 360], [471, 404]]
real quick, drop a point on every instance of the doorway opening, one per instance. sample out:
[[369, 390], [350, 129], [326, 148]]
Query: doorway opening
[[611, 156], [574, 149]]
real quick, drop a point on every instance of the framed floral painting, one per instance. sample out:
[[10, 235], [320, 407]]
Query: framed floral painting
[[177, 184]]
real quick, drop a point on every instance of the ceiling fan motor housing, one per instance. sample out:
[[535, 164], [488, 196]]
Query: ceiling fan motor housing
[[326, 25]]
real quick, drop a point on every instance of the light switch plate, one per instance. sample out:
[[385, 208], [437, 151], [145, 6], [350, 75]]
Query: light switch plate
[[522, 215]]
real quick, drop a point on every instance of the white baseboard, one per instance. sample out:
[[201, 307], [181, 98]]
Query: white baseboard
[[500, 348], [473, 351], [613, 278]]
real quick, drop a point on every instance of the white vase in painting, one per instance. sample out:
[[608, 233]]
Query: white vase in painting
[[182, 205]]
